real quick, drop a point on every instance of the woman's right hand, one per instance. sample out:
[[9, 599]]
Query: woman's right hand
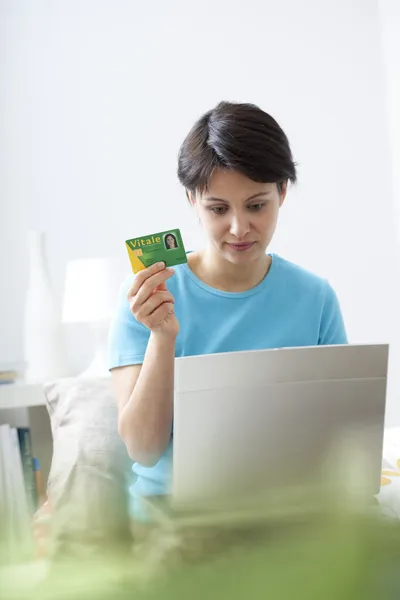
[[150, 301]]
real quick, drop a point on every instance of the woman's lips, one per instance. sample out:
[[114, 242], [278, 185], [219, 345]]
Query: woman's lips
[[241, 247]]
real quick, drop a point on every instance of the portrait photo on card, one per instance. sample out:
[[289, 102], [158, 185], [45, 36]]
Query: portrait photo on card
[[170, 241]]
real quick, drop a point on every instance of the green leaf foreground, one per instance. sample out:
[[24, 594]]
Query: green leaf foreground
[[292, 548]]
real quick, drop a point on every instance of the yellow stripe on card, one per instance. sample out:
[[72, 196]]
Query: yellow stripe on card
[[136, 263]]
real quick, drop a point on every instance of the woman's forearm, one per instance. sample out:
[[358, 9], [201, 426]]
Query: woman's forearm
[[145, 422]]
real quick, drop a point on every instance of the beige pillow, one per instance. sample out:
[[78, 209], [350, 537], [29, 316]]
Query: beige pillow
[[88, 481]]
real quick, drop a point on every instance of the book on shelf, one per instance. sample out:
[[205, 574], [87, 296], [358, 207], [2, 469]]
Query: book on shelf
[[8, 377], [10, 373], [25, 446], [18, 493]]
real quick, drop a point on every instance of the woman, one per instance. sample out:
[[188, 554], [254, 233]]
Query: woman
[[170, 241], [235, 165]]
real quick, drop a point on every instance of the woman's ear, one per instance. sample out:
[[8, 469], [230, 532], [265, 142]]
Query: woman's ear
[[190, 197], [282, 193]]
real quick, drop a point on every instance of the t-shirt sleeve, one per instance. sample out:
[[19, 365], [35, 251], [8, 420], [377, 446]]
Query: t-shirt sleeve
[[332, 328], [128, 338]]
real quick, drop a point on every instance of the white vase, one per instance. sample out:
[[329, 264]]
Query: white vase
[[44, 343]]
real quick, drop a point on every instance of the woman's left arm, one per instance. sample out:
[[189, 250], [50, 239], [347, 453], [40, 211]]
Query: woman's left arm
[[332, 329]]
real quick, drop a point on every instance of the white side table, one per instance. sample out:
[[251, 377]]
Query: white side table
[[24, 405]]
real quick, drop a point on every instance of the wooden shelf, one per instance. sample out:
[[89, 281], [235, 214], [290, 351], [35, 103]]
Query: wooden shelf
[[21, 395]]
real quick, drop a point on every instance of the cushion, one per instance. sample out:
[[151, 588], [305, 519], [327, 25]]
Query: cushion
[[87, 486]]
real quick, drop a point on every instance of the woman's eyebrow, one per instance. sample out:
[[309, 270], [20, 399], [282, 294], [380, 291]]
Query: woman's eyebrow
[[214, 199]]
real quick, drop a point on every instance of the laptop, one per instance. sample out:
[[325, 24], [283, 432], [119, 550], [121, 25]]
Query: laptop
[[267, 419]]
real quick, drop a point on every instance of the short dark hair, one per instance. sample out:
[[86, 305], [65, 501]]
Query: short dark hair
[[237, 137]]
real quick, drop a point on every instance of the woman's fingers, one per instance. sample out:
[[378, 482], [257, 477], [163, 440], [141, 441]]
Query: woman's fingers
[[147, 281], [150, 285], [150, 301], [141, 311], [162, 287], [160, 317], [142, 276]]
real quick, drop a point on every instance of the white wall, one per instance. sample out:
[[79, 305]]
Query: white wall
[[390, 34], [99, 95], [389, 12]]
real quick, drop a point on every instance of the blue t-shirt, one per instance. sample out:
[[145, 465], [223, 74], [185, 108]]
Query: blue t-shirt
[[290, 307]]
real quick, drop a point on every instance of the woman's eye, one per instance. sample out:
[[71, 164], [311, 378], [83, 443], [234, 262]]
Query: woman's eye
[[256, 207], [218, 210]]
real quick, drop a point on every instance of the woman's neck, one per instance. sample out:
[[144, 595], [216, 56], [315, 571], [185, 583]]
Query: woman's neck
[[217, 272]]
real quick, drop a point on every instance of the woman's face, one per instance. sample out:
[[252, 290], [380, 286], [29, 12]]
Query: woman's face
[[170, 241], [238, 215]]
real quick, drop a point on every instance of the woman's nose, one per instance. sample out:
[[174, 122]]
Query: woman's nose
[[239, 226]]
